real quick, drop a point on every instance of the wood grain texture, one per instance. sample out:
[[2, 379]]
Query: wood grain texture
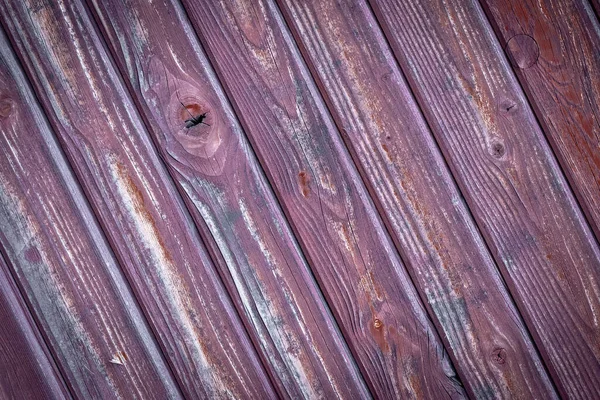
[[217, 171], [322, 194], [28, 370], [509, 177], [554, 47], [62, 262], [136, 202], [373, 106]]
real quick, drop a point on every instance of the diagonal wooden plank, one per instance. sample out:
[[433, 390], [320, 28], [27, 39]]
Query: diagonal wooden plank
[[373, 106], [136, 202], [554, 47], [322, 193], [62, 263], [156, 49], [26, 364], [509, 177]]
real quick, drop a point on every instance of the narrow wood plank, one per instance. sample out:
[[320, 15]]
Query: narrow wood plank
[[157, 51], [136, 202], [321, 191], [509, 176], [372, 104], [554, 47], [62, 262], [28, 370]]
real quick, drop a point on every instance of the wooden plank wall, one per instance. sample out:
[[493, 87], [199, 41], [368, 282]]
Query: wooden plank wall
[[136, 202], [323, 196], [227, 191], [554, 47], [61, 261], [373, 183], [509, 176], [381, 122]]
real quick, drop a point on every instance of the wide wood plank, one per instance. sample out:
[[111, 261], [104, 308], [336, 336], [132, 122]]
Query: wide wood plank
[[338, 226], [226, 190], [510, 178], [62, 262], [137, 204], [554, 47], [373, 106], [28, 370]]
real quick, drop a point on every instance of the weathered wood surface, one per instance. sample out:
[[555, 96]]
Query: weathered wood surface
[[28, 370], [358, 268], [136, 202], [217, 171], [509, 176], [60, 258], [382, 124], [554, 47]]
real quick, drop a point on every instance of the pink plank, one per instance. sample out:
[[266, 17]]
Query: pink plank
[[373, 106], [228, 195], [28, 370], [135, 200], [509, 176], [62, 263], [325, 200]]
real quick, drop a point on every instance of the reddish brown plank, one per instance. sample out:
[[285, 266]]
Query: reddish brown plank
[[137, 204], [554, 47], [157, 51], [28, 370], [60, 258], [509, 176], [322, 193], [373, 106]]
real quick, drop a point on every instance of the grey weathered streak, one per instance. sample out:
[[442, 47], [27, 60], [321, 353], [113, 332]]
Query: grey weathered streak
[[138, 206], [558, 64], [340, 231], [372, 104], [509, 176], [61, 260], [26, 364], [225, 189]]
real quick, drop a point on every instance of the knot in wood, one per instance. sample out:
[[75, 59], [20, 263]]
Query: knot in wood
[[6, 107], [523, 51], [508, 107], [377, 324], [497, 149], [499, 355]]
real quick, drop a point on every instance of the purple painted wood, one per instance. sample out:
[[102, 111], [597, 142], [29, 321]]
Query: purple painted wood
[[225, 189], [509, 176], [325, 200], [28, 370], [554, 47], [136, 202], [373, 106], [62, 263]]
